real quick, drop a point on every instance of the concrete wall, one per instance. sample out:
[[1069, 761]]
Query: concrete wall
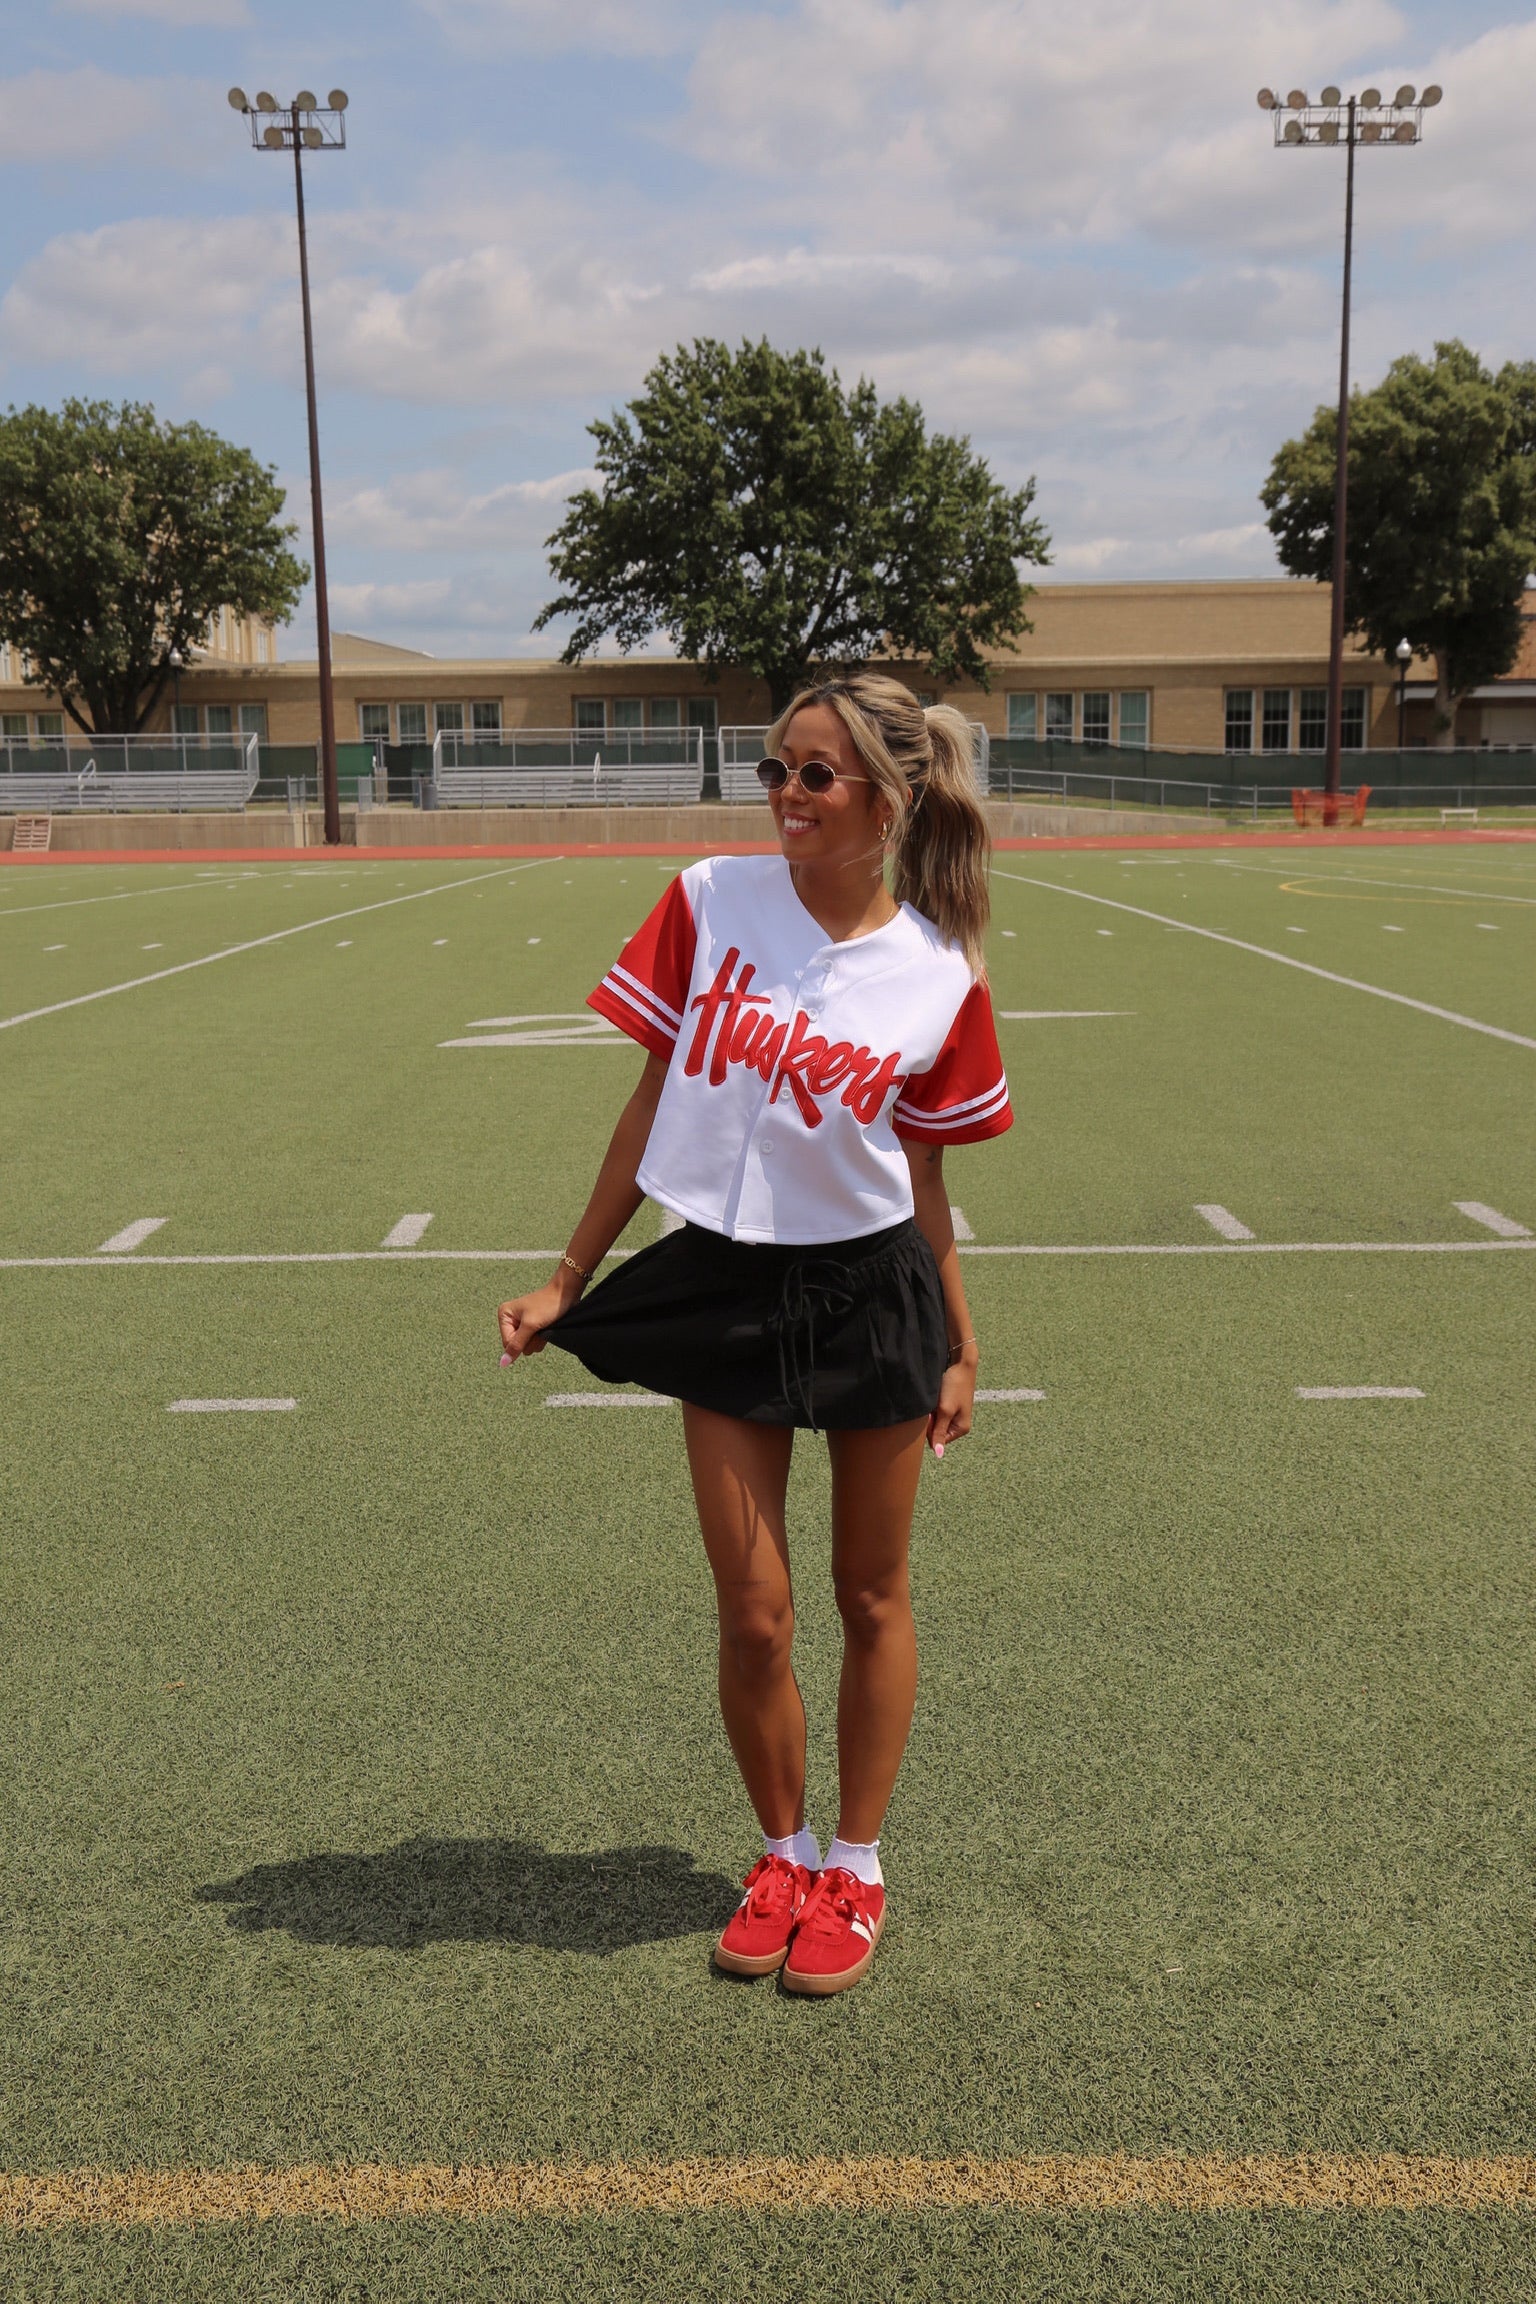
[[705, 827]]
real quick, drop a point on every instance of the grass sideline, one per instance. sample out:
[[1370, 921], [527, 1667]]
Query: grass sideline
[[367, 1804]]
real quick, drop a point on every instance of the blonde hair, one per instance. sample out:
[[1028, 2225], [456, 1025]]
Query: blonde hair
[[923, 764]]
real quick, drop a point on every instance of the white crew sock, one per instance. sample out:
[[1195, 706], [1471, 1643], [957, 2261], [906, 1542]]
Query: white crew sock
[[860, 1857], [799, 1848]]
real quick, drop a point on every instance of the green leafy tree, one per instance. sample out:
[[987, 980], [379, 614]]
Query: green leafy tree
[[766, 518], [120, 537], [1442, 514]]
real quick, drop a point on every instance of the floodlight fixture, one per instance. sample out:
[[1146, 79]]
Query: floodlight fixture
[[1268, 100], [1342, 120], [307, 126]]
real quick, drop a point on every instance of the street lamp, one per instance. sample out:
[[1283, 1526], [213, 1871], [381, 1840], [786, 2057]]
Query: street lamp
[[307, 125], [1404, 655], [1335, 119]]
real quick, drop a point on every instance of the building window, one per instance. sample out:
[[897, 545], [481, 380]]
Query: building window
[[184, 719], [628, 712], [373, 722], [666, 712], [1312, 720], [1024, 716], [50, 726], [448, 719], [1352, 721], [591, 716], [1096, 716], [263, 645], [1058, 718], [1277, 720], [413, 722], [1239, 720], [219, 719], [253, 721], [1134, 717], [703, 712], [485, 717], [13, 726]]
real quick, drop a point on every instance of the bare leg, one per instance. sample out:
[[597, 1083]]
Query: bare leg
[[740, 1477], [874, 1487]]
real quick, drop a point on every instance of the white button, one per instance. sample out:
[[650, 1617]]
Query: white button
[[766, 1146]]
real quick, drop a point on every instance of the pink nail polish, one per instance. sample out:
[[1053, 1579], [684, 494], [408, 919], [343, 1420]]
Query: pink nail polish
[[506, 1359], [938, 1451]]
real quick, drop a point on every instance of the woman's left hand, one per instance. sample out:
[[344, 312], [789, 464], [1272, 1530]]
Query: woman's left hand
[[951, 1420]]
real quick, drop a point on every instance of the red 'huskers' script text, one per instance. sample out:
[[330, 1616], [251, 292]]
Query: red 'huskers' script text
[[790, 1055]]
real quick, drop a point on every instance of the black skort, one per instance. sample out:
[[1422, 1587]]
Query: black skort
[[846, 1335]]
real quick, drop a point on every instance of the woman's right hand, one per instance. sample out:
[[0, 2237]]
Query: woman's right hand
[[525, 1317]]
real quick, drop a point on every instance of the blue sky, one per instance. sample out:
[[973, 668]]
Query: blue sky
[[1065, 231]]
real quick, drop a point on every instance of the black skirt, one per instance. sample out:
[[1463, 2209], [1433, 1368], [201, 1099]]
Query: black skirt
[[846, 1335]]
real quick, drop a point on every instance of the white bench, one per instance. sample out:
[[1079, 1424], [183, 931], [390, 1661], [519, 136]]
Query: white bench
[[1458, 816], [672, 787]]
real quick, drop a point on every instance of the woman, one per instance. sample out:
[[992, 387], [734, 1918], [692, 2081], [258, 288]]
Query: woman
[[815, 1040]]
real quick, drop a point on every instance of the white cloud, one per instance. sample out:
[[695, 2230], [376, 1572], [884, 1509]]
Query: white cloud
[[87, 116], [150, 296], [433, 512]]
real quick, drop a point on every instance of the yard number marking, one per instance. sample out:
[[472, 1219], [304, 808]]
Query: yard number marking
[[1481, 1213], [406, 1233], [1222, 1220], [131, 1236]]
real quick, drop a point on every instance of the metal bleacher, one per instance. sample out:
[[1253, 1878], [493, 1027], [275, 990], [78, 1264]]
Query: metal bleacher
[[559, 768], [65, 775]]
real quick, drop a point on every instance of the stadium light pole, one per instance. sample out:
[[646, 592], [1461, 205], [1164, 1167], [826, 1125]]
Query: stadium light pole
[[303, 126], [1351, 121], [1404, 655]]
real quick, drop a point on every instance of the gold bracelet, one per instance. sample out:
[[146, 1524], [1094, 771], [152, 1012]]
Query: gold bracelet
[[580, 1270], [955, 1351]]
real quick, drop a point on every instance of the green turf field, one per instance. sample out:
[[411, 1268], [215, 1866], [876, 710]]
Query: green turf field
[[365, 1799]]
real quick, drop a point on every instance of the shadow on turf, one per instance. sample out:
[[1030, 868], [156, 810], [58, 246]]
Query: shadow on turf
[[502, 1891]]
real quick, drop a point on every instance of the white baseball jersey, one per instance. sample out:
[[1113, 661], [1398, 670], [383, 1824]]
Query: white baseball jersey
[[797, 1064]]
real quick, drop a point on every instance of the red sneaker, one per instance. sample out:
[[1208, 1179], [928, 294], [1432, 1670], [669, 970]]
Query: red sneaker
[[836, 1934], [756, 1937]]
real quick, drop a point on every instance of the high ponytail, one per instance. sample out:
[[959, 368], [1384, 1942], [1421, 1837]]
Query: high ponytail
[[924, 764]]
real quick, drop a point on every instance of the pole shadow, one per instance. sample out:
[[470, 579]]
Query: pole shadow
[[480, 1891]]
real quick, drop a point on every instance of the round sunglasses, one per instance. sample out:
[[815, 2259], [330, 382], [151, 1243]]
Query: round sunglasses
[[816, 776]]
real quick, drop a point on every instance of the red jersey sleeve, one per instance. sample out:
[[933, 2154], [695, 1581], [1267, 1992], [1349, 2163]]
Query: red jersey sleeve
[[963, 1096], [646, 989]]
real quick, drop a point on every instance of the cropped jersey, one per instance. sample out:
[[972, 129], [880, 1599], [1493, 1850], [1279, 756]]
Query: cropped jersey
[[796, 1064]]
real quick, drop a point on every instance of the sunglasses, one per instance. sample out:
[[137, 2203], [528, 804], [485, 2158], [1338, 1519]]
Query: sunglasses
[[816, 776]]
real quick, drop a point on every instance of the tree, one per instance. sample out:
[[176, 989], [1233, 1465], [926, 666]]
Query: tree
[[767, 519], [120, 537], [1442, 514]]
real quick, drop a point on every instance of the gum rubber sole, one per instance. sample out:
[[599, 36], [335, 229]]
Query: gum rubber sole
[[823, 1987], [749, 1964]]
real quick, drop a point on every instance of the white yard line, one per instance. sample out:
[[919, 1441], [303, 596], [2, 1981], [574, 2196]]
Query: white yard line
[[230, 951], [228, 1407], [1369, 880], [1002, 1396], [1481, 1213], [1054, 1015], [406, 1233], [132, 1235], [608, 1400], [1283, 959], [963, 1248], [959, 1224], [1358, 1392], [1222, 1220], [119, 896]]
